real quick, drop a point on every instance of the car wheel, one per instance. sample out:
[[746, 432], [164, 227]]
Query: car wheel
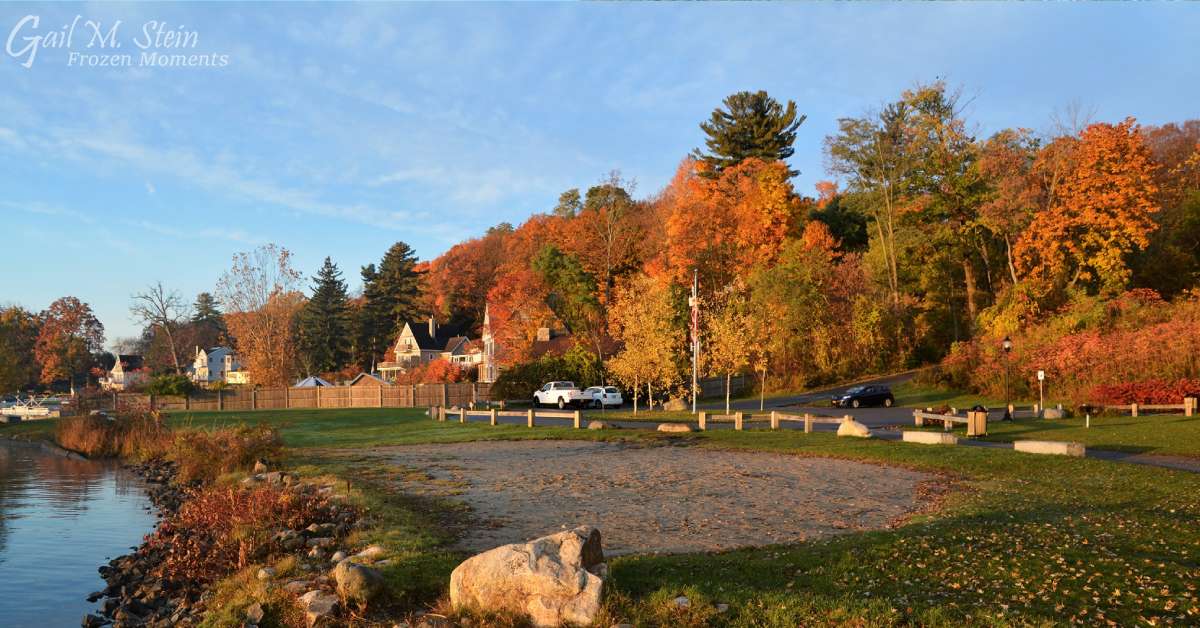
[[887, 402], [561, 404], [854, 404]]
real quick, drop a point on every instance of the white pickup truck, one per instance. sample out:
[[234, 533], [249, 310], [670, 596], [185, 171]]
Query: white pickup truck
[[561, 394]]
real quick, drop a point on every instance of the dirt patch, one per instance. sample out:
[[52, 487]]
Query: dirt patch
[[654, 499]]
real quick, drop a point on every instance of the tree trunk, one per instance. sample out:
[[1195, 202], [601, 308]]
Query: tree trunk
[[762, 391], [969, 278], [1012, 269], [635, 396]]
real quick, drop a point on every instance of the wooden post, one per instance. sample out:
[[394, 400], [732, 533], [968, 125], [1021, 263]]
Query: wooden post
[[738, 417], [318, 389], [807, 423], [1189, 406], [918, 420], [254, 399], [703, 418], [493, 417], [220, 399], [1133, 409], [529, 418], [462, 415], [774, 420], [578, 418], [1010, 409]]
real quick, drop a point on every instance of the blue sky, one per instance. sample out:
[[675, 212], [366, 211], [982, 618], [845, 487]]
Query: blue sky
[[339, 129]]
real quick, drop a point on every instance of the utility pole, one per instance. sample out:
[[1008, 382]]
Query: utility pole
[[694, 302]]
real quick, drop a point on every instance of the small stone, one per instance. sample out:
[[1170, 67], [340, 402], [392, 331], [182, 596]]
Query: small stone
[[338, 556], [320, 541], [266, 573], [721, 608], [254, 613], [597, 425], [372, 552], [296, 587], [357, 582], [318, 606], [683, 602]]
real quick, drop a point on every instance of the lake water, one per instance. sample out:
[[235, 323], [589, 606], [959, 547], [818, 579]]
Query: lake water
[[60, 519]]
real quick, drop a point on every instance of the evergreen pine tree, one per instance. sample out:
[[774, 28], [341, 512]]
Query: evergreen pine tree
[[752, 124], [324, 324], [391, 296]]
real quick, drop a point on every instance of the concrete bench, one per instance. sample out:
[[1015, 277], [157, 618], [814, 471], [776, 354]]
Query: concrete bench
[[930, 438], [1050, 447]]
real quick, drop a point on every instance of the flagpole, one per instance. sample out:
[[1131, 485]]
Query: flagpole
[[695, 333]]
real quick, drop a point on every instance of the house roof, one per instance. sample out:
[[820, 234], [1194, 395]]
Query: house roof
[[455, 342], [311, 381], [369, 379], [130, 362], [437, 342]]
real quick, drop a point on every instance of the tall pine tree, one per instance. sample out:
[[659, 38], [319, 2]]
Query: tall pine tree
[[325, 323], [391, 296], [752, 124]]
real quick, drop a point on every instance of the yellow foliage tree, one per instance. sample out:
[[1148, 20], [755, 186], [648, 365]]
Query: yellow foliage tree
[[643, 318]]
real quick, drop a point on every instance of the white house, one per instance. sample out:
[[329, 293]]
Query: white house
[[218, 364], [127, 372], [425, 342]]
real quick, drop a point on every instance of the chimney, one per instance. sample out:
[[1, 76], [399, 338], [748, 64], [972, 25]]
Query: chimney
[[432, 328], [543, 334]]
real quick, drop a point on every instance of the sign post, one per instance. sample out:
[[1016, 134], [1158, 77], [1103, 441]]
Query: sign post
[[1041, 393]]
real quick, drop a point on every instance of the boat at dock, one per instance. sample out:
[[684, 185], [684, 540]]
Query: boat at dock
[[32, 408]]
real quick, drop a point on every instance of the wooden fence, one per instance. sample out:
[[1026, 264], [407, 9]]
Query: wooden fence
[[324, 397], [1188, 407]]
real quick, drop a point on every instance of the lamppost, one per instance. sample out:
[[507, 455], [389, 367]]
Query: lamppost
[[1006, 344]]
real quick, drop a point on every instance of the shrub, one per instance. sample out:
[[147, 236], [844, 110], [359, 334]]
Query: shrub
[[136, 435], [174, 385], [578, 365], [1153, 391], [203, 455], [219, 530]]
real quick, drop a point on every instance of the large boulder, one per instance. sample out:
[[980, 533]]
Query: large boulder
[[357, 583], [674, 427], [597, 425], [1053, 413], [554, 580], [850, 427], [675, 405]]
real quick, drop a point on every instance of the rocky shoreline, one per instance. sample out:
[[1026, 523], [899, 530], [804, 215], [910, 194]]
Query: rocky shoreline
[[330, 578]]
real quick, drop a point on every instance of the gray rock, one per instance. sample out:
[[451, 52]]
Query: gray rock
[[266, 573], [674, 427], [318, 607], [372, 552], [254, 613], [338, 556], [357, 583], [550, 579], [683, 602], [597, 425], [320, 541], [853, 428], [296, 587], [1052, 413]]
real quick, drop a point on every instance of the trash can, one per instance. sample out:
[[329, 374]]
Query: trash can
[[977, 423]]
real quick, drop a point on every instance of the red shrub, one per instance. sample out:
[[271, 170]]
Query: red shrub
[[220, 530], [1153, 391]]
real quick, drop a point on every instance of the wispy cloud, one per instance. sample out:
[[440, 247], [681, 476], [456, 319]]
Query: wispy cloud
[[232, 235]]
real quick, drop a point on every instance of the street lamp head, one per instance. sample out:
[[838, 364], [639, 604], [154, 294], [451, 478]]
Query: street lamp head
[[1007, 344]]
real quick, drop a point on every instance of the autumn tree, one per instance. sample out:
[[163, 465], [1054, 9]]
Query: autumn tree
[[751, 125], [163, 312], [18, 338], [727, 338], [69, 337], [1101, 213], [517, 309], [261, 298], [324, 323], [571, 295], [643, 317], [456, 286], [604, 235]]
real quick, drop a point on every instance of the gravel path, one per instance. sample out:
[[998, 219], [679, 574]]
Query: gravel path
[[655, 499]]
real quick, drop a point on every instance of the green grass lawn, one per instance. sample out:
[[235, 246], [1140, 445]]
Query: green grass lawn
[[1018, 540], [1154, 434], [913, 395]]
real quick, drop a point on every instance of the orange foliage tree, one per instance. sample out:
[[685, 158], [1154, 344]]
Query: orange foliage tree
[[1101, 212], [70, 334], [517, 308]]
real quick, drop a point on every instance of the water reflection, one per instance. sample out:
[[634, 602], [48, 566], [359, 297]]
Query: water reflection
[[60, 519]]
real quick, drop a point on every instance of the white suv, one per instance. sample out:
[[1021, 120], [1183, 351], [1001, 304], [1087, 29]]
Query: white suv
[[605, 396], [561, 394]]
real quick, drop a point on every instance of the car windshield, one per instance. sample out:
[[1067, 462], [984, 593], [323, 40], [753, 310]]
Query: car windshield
[[855, 390], [610, 389]]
